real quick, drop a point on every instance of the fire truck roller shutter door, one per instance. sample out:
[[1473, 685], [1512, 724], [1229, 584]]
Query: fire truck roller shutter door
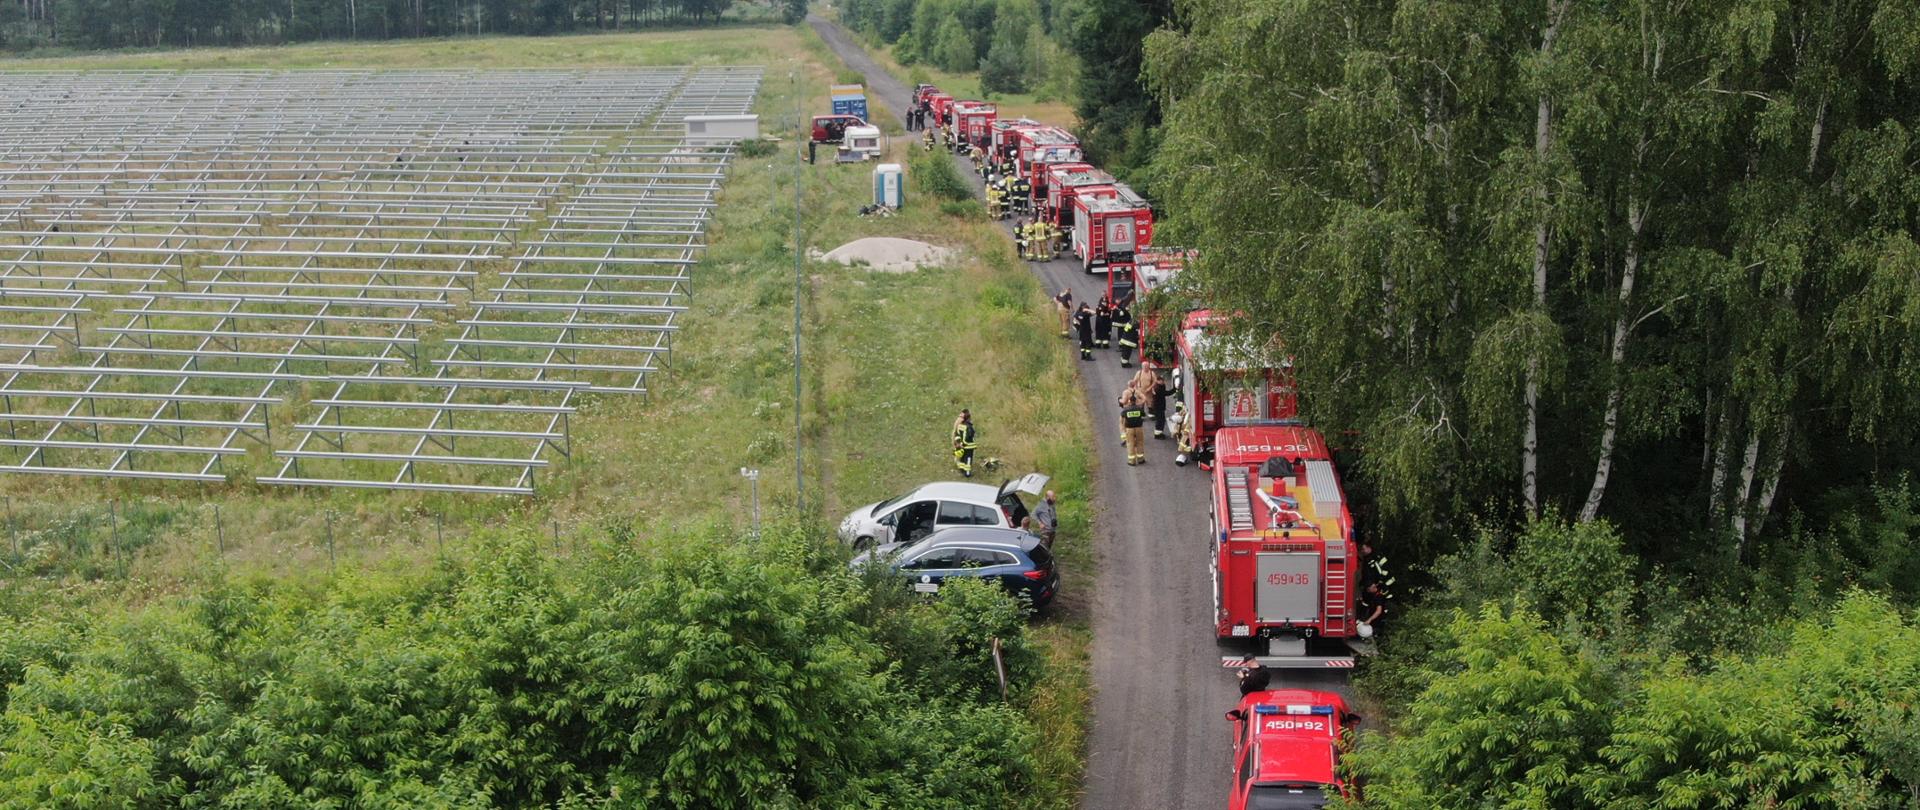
[[1288, 588]]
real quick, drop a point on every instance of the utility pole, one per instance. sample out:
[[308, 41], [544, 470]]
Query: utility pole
[[799, 477]]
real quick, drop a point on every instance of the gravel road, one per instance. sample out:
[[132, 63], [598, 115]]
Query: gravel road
[[1158, 741]]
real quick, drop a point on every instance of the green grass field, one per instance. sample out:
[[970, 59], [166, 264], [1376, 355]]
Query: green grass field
[[889, 359]]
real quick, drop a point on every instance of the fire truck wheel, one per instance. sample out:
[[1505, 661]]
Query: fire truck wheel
[[1086, 263]]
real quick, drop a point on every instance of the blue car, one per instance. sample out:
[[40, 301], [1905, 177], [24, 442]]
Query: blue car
[[1018, 561]]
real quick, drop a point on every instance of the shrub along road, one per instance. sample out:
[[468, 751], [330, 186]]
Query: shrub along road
[[1158, 740]]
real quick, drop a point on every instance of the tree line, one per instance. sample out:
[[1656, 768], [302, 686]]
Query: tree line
[[149, 23], [1085, 51], [714, 672], [1618, 306]]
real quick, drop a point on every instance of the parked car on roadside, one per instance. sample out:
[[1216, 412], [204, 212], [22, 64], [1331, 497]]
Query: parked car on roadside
[[939, 505], [1017, 561]]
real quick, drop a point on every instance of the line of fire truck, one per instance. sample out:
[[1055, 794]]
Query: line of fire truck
[[1286, 564]]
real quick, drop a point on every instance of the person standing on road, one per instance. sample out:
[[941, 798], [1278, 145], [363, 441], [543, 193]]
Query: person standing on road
[[1133, 420], [1372, 607], [965, 441], [1020, 238], [1126, 335], [1157, 402], [1083, 324], [1064, 303], [1182, 428], [1103, 323], [1046, 519], [1254, 677]]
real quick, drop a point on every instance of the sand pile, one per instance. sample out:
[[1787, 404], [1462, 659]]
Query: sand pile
[[889, 255]]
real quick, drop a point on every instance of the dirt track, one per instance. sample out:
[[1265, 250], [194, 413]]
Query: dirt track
[[1158, 740]]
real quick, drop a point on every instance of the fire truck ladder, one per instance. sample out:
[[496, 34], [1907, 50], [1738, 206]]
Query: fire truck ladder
[[1334, 615], [1239, 502]]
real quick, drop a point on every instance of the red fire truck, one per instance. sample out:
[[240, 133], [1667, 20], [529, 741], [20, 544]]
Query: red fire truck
[[1285, 565], [1153, 268], [1226, 382], [1064, 180], [1286, 749], [1005, 144], [974, 122], [1036, 148], [942, 104], [922, 91], [1108, 229]]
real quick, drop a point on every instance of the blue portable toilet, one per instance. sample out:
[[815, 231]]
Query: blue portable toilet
[[889, 185]]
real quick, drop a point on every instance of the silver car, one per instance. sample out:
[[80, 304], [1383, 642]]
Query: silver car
[[918, 513]]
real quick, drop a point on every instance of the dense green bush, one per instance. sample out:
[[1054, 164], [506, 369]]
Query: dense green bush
[[935, 176], [711, 673]]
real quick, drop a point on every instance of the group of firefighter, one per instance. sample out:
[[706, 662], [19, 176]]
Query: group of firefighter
[[1008, 194]]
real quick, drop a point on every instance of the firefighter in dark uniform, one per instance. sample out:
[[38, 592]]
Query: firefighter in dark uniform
[[1103, 323], [965, 441], [1157, 400], [1020, 239], [1022, 195], [1253, 677], [1127, 336], [1083, 325]]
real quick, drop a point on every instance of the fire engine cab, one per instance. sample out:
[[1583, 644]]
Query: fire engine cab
[[1225, 382], [973, 120], [942, 106], [1064, 182], [1036, 148], [1108, 228], [1285, 567], [1286, 749], [1005, 144]]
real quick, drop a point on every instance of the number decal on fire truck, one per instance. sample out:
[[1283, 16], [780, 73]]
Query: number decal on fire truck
[[1289, 579], [1273, 448], [1296, 725]]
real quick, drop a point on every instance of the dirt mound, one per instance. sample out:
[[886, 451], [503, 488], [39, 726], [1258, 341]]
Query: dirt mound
[[889, 255]]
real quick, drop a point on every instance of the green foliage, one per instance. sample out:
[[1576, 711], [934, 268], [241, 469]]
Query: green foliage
[[1512, 718], [964, 209], [1117, 116], [708, 673], [1518, 716], [758, 148], [950, 48], [934, 175], [793, 11], [1727, 312]]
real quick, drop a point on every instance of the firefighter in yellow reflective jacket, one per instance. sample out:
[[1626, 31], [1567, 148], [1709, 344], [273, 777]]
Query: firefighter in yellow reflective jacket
[[965, 441], [928, 142], [996, 202]]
